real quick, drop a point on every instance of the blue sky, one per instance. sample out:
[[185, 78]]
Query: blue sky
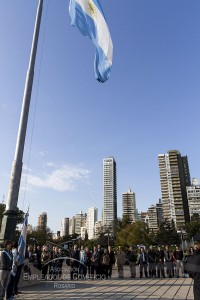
[[149, 105]]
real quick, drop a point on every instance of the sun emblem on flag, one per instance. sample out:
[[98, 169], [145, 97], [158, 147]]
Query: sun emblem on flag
[[91, 7]]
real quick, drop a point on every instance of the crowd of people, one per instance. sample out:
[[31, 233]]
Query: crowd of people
[[98, 262], [160, 262], [82, 263], [85, 263]]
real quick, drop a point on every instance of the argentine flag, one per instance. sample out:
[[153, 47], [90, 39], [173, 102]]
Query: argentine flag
[[22, 240], [88, 16]]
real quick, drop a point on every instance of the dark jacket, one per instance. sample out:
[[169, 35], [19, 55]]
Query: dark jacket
[[131, 256], [151, 256], [112, 257], [193, 265], [6, 260], [88, 254], [193, 268], [143, 259], [160, 256], [75, 254], [178, 255], [95, 259]]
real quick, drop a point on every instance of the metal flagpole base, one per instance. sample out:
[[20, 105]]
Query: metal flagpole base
[[8, 226]]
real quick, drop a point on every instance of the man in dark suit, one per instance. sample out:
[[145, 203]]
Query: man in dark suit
[[74, 262], [152, 261], [193, 267], [143, 261], [160, 262], [95, 260], [169, 261]]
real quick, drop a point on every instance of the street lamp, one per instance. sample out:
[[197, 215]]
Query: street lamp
[[181, 232], [108, 235]]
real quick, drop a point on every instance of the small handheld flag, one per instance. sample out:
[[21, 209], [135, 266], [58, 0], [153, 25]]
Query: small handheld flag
[[88, 17]]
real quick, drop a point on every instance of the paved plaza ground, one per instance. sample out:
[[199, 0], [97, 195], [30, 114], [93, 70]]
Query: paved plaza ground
[[114, 288]]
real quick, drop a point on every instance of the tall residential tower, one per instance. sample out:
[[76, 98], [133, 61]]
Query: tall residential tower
[[42, 220], [193, 194], [91, 220], [128, 205], [109, 192], [174, 177], [64, 227]]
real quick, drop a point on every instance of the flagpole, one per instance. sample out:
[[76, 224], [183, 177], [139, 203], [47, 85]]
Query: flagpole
[[9, 220]]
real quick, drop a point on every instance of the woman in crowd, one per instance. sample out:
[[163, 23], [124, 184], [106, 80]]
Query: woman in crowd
[[120, 262], [45, 258], [105, 260]]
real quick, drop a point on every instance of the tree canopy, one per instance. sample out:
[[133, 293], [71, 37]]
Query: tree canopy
[[134, 234]]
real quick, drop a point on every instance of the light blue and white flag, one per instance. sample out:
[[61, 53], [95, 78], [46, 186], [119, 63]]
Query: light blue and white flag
[[22, 239], [88, 16]]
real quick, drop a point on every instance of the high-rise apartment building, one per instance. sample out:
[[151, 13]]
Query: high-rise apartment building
[[153, 221], [42, 221], [98, 229], [155, 214], [91, 220], [109, 192], [64, 227], [145, 217], [80, 221], [174, 177], [72, 222], [193, 195], [129, 205], [83, 233]]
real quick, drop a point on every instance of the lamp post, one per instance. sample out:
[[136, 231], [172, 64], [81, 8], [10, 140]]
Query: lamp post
[[182, 242], [108, 235]]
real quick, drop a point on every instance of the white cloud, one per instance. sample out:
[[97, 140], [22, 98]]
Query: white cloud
[[26, 168], [51, 164], [61, 179], [42, 153]]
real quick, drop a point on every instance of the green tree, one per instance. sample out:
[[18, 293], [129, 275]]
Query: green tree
[[167, 234], [133, 234], [104, 239], [90, 243], [152, 236], [195, 217], [192, 228], [20, 216], [39, 236], [122, 223]]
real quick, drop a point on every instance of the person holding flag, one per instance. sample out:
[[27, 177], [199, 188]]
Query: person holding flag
[[10, 287], [5, 268], [21, 252], [18, 252], [17, 270]]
